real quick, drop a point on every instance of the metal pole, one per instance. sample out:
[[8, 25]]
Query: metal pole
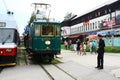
[[112, 36]]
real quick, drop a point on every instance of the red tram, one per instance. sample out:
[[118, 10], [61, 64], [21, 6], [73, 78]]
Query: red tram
[[9, 39]]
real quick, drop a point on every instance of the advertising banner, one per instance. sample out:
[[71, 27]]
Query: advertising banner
[[65, 31]]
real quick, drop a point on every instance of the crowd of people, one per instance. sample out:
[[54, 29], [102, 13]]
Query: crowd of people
[[96, 47], [80, 47]]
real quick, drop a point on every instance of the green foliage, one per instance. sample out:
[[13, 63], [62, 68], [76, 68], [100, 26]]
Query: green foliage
[[115, 49], [87, 49], [62, 46], [33, 17], [68, 16]]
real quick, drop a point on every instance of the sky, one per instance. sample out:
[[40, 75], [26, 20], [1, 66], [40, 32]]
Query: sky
[[23, 9]]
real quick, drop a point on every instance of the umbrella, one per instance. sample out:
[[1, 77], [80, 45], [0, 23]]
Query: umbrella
[[92, 36]]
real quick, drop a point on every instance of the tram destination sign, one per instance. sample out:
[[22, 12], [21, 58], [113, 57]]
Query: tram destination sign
[[2, 24]]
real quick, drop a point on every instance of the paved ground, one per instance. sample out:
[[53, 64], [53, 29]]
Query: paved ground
[[88, 62], [28, 72], [74, 67]]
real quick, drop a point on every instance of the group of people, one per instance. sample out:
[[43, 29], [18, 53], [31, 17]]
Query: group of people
[[100, 50], [80, 47], [92, 46]]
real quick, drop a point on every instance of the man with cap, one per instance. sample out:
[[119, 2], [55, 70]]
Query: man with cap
[[100, 51]]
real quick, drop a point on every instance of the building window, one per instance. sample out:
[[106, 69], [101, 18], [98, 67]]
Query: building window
[[88, 26], [79, 29], [82, 28], [99, 24], [105, 11], [93, 25], [108, 19], [98, 13], [85, 27]]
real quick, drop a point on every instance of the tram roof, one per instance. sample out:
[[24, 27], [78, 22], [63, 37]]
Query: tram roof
[[9, 21]]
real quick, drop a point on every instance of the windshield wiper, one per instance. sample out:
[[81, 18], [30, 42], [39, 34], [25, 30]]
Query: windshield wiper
[[6, 39]]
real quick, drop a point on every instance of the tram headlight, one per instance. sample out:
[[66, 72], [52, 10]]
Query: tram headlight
[[47, 42]]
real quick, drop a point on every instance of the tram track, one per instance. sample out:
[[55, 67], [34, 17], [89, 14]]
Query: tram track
[[56, 73], [49, 75], [65, 72]]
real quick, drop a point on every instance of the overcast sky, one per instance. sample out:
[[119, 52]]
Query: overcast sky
[[22, 8]]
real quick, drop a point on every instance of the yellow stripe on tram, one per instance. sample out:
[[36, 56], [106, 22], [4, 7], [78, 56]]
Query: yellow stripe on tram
[[9, 64]]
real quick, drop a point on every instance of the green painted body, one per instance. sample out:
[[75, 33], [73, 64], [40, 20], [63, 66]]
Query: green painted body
[[37, 43]]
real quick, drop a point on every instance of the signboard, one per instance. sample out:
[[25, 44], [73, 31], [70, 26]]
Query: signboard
[[104, 33], [75, 30], [2, 24], [65, 31], [108, 24]]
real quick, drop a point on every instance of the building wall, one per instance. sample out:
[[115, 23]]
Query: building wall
[[100, 25], [91, 25]]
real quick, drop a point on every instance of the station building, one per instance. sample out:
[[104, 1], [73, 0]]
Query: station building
[[104, 20]]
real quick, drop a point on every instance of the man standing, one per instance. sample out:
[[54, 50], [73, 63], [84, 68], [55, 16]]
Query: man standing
[[78, 46], [100, 57]]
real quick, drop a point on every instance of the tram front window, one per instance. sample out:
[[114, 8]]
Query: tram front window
[[37, 30], [6, 36], [47, 30], [58, 30]]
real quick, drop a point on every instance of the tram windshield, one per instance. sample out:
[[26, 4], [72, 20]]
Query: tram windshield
[[6, 35], [48, 30]]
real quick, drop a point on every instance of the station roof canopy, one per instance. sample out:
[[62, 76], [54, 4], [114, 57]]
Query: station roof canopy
[[68, 21], [106, 8]]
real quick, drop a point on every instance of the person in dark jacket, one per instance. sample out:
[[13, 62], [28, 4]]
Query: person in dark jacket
[[78, 46], [100, 51]]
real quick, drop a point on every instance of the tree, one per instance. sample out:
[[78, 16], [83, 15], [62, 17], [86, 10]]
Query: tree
[[69, 16], [33, 17]]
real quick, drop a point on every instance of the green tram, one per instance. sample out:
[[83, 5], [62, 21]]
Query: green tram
[[45, 39]]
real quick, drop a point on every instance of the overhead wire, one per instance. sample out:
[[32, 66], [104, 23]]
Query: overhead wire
[[5, 5]]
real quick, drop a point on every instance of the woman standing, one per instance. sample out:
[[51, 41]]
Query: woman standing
[[81, 49], [84, 48]]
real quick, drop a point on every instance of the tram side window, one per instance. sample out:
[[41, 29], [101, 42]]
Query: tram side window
[[58, 30], [48, 30], [16, 38], [37, 30]]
